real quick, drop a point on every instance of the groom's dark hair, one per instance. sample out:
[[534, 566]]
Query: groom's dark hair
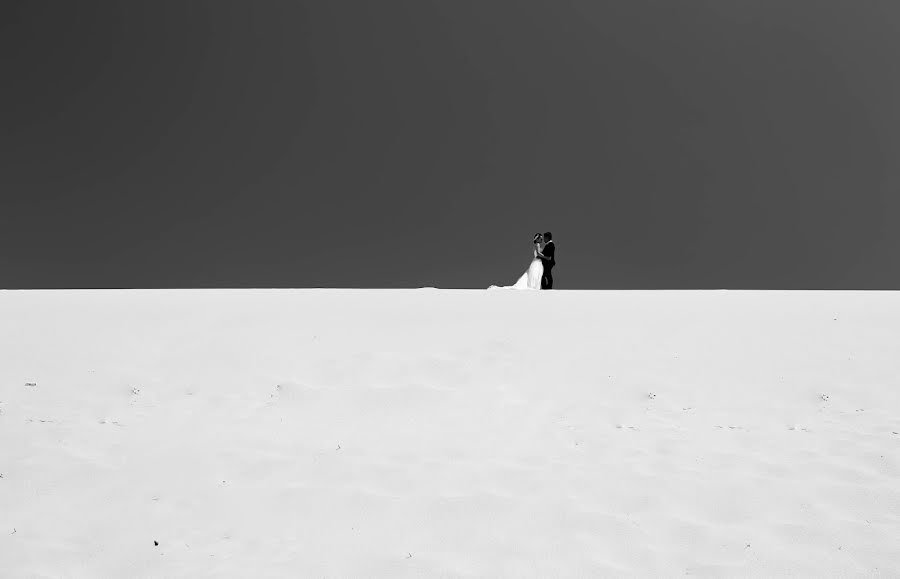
[[548, 236]]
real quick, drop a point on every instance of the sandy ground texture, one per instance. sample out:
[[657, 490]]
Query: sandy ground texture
[[443, 433]]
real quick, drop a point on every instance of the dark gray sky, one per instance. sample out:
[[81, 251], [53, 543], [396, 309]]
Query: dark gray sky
[[691, 144]]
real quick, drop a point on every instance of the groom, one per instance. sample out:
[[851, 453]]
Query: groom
[[547, 258]]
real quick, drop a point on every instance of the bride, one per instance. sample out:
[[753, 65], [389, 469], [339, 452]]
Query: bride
[[531, 279]]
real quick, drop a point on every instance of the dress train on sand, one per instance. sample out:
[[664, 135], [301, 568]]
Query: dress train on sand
[[530, 280]]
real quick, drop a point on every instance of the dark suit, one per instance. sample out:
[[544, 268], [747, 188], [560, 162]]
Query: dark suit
[[549, 260]]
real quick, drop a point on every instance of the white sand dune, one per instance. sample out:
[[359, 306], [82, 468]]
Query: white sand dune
[[440, 433]]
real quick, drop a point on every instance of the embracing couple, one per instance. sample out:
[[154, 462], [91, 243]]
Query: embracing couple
[[539, 274]]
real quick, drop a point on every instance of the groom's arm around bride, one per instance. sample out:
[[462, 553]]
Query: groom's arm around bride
[[548, 259]]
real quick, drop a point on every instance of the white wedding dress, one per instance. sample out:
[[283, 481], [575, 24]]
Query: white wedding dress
[[530, 280]]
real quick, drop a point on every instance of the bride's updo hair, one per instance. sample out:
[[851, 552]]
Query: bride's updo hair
[[536, 238]]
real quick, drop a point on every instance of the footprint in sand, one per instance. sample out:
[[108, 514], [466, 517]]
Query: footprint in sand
[[273, 396]]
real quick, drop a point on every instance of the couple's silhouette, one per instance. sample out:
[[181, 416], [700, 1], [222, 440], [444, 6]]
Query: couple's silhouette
[[539, 274]]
